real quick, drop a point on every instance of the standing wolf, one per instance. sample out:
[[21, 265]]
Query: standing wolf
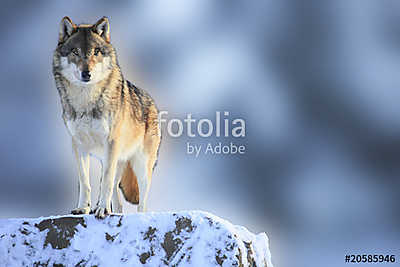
[[107, 117]]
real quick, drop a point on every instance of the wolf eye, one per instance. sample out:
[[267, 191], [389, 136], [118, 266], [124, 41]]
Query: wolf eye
[[75, 51], [97, 51]]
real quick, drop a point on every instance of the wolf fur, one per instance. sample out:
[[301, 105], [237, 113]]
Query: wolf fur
[[107, 117]]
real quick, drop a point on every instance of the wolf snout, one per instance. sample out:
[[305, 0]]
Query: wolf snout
[[85, 76]]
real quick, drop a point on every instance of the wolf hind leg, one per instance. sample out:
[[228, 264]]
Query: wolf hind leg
[[139, 164], [143, 167]]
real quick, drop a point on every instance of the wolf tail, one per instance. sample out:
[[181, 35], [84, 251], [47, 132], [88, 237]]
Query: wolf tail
[[129, 185]]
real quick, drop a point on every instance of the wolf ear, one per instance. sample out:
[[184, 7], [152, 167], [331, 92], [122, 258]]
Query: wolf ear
[[66, 29], [102, 28]]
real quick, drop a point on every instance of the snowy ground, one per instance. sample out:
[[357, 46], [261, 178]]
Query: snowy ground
[[193, 238]]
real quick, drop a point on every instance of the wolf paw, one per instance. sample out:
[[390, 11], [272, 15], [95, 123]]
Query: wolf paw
[[77, 211], [101, 212]]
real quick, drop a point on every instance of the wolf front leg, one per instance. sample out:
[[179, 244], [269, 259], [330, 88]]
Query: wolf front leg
[[83, 162], [116, 204], [103, 207]]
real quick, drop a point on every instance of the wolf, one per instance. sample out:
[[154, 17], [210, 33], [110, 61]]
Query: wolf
[[107, 117]]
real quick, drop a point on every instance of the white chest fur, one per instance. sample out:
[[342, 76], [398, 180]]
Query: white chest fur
[[90, 134]]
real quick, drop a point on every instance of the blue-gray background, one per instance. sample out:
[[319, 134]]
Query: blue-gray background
[[317, 83]]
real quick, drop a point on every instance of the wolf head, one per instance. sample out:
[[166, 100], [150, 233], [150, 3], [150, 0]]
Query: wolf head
[[84, 53]]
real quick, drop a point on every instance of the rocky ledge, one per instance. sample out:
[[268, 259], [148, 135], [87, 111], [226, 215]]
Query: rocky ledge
[[193, 238]]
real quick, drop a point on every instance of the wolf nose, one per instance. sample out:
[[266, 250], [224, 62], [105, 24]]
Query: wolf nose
[[85, 76]]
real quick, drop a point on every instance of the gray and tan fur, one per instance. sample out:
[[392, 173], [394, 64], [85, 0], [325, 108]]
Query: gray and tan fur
[[107, 117]]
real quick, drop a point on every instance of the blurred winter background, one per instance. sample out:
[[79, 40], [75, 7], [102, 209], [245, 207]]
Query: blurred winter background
[[317, 82]]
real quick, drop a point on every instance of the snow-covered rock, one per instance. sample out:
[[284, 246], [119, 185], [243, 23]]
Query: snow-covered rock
[[193, 238]]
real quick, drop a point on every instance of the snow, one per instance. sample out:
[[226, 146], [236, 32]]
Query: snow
[[190, 238]]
